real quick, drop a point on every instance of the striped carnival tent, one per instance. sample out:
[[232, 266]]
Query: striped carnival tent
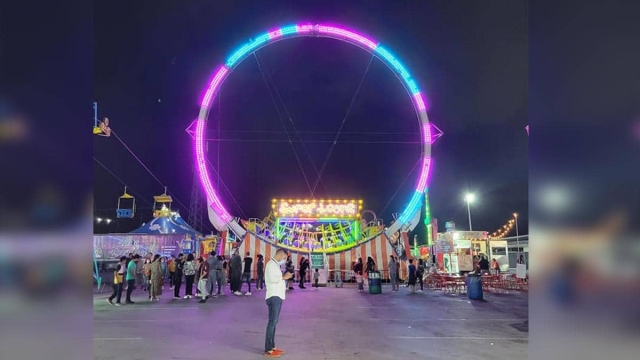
[[378, 248]]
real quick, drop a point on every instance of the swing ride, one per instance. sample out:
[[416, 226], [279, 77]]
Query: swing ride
[[126, 206]]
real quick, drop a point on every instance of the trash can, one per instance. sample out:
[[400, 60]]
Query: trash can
[[375, 282], [474, 287]]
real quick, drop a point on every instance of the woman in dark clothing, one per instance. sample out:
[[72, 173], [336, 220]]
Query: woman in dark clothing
[[290, 269], [304, 265], [177, 280], [371, 265], [420, 273], [260, 271], [412, 276]]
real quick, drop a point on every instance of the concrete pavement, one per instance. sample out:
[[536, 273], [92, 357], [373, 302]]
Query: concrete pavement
[[324, 324]]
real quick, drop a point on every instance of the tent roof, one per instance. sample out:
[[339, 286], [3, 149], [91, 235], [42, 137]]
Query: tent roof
[[172, 224]]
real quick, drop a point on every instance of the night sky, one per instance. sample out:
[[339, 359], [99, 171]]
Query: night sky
[[470, 59]]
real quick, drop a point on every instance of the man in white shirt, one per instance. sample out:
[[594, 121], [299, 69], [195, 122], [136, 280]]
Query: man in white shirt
[[276, 289]]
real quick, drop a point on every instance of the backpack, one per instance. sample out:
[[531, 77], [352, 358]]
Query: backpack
[[420, 271], [189, 268]]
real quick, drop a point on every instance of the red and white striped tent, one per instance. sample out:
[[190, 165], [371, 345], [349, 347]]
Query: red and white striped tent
[[378, 248]]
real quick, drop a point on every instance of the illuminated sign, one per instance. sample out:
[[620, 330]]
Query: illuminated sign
[[316, 208]]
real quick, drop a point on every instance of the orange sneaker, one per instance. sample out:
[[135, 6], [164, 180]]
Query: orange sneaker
[[272, 354], [278, 351]]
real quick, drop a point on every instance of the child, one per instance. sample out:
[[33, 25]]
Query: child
[[316, 275], [360, 281]]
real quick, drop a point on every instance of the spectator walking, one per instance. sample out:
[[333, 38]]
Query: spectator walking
[[118, 282], [412, 276], [304, 265], [131, 276], [236, 273], [420, 273]]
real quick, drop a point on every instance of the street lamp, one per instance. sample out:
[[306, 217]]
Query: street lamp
[[515, 215], [469, 198]]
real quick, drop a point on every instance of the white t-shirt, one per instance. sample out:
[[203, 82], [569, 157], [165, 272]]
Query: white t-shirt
[[276, 286]]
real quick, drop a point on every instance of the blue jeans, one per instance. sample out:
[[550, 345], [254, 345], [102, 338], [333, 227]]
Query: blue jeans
[[274, 303]]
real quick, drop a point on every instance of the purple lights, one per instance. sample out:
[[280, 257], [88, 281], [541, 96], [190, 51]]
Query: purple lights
[[213, 86], [311, 30], [342, 33], [419, 102], [424, 174], [275, 34], [212, 196]]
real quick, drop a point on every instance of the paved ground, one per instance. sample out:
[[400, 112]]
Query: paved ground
[[324, 324]]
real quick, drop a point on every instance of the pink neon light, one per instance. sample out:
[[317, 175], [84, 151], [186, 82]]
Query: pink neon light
[[275, 34], [222, 73], [419, 101], [212, 197], [304, 29], [424, 175], [347, 34], [426, 133], [213, 86]]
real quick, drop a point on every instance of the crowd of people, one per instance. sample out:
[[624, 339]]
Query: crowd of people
[[202, 278]]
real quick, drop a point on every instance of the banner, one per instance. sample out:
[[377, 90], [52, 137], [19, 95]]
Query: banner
[[207, 246], [521, 271], [423, 252], [465, 263], [115, 246]]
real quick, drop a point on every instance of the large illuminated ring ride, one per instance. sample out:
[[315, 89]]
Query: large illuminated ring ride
[[218, 214]]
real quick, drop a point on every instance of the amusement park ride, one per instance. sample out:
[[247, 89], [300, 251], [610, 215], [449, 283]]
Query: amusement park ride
[[315, 225]]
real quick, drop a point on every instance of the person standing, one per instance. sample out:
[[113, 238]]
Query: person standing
[[246, 273], [260, 273], [393, 274], [172, 271], [276, 288], [146, 273], [316, 277], [304, 265], [118, 282], [495, 266], [203, 279], [165, 270], [397, 272], [212, 262], [177, 280], [155, 283], [189, 270], [132, 270], [420, 274], [236, 273], [412, 276], [291, 270], [222, 274], [483, 264]]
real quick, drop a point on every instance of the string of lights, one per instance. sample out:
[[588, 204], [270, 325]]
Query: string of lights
[[504, 230]]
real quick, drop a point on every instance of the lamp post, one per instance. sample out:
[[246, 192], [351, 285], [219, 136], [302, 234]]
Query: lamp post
[[469, 198], [515, 215]]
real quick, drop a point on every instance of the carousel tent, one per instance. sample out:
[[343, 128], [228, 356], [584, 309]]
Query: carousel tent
[[172, 224]]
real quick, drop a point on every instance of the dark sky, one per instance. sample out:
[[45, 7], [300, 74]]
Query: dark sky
[[154, 59]]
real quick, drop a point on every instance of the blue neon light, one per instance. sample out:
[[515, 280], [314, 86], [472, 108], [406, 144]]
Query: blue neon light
[[288, 30], [247, 48], [393, 61], [411, 209], [385, 54]]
